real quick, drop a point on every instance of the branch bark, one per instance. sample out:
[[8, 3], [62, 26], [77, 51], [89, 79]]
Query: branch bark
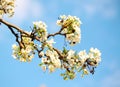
[[57, 33], [12, 26], [17, 28]]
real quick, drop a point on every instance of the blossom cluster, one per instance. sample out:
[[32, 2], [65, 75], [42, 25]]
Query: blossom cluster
[[82, 60], [7, 7], [72, 61], [52, 61], [24, 53], [52, 58], [40, 30], [71, 28]]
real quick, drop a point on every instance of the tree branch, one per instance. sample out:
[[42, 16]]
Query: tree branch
[[13, 26], [57, 33], [17, 28], [16, 35], [59, 53]]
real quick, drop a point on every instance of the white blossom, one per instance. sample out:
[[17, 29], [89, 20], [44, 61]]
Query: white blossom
[[62, 16], [41, 54], [44, 60], [54, 58], [7, 7], [95, 55], [82, 56], [43, 67], [41, 31], [71, 62], [51, 68], [50, 42], [85, 72], [71, 25], [26, 53], [70, 54], [15, 47]]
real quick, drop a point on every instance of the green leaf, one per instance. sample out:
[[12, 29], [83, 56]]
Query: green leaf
[[65, 78], [72, 76], [62, 74], [41, 64], [34, 27], [80, 70], [65, 50]]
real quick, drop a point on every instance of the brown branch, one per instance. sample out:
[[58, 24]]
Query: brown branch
[[15, 34], [59, 53], [57, 33], [12, 26], [17, 28]]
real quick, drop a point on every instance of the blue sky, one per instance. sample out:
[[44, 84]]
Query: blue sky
[[100, 29]]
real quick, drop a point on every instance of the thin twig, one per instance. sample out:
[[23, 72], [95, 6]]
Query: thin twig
[[57, 33], [17, 38], [16, 35]]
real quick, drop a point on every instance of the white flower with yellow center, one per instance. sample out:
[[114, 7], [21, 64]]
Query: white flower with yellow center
[[82, 56], [94, 56], [71, 27], [41, 31], [70, 54], [50, 42], [51, 68], [7, 7]]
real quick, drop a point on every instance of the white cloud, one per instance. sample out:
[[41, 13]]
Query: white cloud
[[112, 65], [90, 9], [43, 85], [26, 9], [37, 10], [21, 9], [112, 80], [104, 8]]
